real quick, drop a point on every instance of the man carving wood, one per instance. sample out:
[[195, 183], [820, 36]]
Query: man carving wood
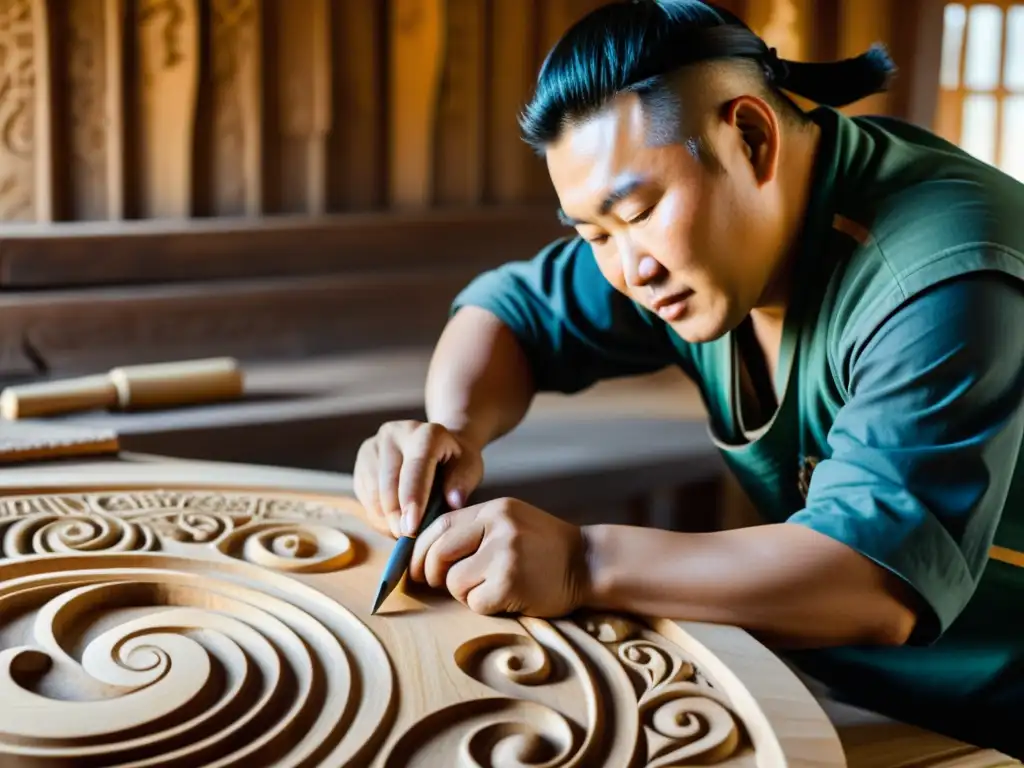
[[849, 296]]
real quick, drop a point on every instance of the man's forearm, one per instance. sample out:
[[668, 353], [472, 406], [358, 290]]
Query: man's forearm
[[479, 383], [786, 583]]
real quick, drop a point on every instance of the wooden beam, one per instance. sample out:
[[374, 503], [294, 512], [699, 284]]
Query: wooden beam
[[85, 331], [94, 253]]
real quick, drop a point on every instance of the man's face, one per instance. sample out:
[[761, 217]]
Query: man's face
[[696, 242]]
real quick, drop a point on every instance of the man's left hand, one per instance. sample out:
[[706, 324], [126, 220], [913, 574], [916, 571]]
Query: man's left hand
[[504, 556]]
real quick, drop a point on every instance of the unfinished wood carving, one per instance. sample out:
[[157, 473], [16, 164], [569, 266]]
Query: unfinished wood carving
[[168, 42], [205, 627], [26, 184]]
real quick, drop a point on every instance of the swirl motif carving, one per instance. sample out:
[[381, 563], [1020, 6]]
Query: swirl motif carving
[[45, 534], [685, 719], [538, 672], [290, 547], [273, 533], [173, 662], [17, 109]]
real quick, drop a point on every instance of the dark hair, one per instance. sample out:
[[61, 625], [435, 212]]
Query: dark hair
[[635, 46]]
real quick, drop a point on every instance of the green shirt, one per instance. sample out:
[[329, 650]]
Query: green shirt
[[900, 387]]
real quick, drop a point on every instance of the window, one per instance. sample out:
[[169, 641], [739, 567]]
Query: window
[[981, 99]]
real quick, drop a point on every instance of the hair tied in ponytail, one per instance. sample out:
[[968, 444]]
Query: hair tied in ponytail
[[839, 83]]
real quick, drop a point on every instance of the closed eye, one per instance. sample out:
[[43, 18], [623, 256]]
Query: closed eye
[[643, 216]]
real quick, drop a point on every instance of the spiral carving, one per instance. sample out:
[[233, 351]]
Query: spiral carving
[[686, 721], [272, 532], [655, 664], [290, 547], [489, 733], [694, 726], [495, 659], [45, 534], [159, 660]]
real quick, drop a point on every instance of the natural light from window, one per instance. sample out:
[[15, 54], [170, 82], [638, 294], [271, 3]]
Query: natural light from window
[[981, 104]]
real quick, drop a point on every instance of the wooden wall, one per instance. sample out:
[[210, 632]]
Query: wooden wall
[[170, 109], [279, 178]]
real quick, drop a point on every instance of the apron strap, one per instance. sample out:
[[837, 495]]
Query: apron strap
[[1008, 556]]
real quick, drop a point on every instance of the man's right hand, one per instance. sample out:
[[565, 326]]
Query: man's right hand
[[395, 468]]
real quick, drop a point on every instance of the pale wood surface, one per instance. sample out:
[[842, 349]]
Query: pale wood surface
[[234, 561], [217, 610]]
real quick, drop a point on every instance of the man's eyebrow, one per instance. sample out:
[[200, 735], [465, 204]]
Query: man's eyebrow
[[620, 192]]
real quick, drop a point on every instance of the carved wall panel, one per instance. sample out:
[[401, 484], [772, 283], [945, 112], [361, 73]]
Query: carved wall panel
[[416, 51], [460, 136], [236, 41], [174, 109], [93, 121], [167, 39], [26, 188], [192, 626]]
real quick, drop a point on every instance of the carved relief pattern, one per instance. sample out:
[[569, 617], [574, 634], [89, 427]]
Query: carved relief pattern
[[235, 44], [685, 719], [274, 533], [168, 45], [191, 624], [87, 78], [17, 111], [171, 665]]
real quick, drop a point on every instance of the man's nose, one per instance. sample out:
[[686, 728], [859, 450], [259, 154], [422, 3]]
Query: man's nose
[[638, 267]]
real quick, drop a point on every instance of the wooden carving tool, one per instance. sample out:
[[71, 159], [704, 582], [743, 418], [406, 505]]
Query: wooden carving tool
[[133, 387]]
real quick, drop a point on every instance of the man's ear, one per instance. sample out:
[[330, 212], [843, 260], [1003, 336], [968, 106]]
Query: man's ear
[[757, 127]]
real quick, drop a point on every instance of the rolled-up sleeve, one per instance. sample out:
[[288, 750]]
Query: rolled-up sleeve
[[925, 447], [575, 328]]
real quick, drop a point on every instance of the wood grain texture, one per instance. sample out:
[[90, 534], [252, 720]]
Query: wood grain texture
[[357, 145], [167, 40], [236, 40], [514, 172], [304, 103], [92, 131], [78, 332], [417, 48], [459, 152], [21, 443], [207, 623], [26, 152], [212, 249]]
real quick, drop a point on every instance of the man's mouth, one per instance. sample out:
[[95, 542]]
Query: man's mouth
[[671, 308]]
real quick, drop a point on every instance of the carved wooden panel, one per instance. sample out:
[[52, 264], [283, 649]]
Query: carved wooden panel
[[513, 171], [237, 151], [415, 66], [26, 188], [197, 626], [93, 120], [304, 102], [168, 63], [357, 145], [460, 130]]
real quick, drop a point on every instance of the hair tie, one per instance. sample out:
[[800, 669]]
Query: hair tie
[[776, 69]]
